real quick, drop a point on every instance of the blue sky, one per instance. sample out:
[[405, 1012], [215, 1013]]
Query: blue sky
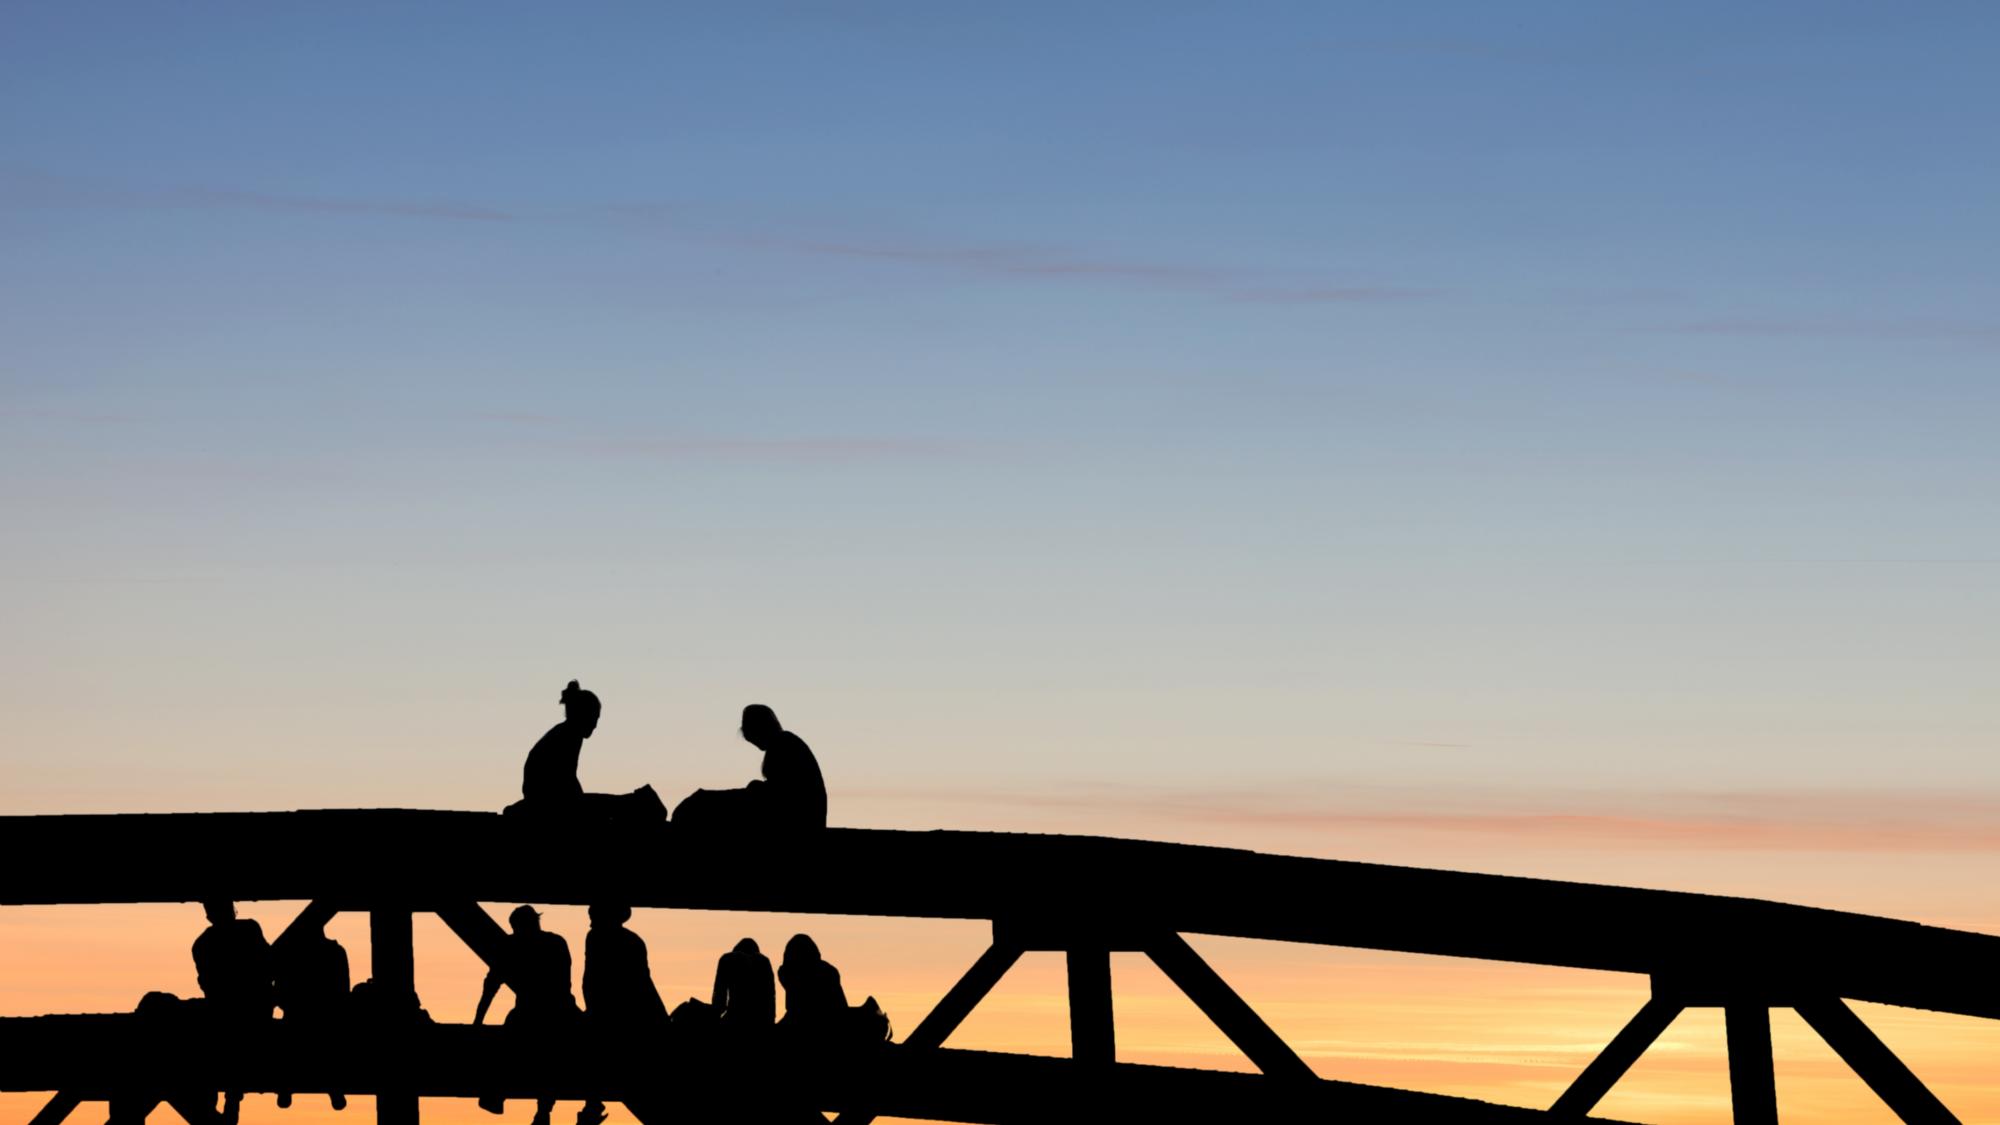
[[1557, 398]]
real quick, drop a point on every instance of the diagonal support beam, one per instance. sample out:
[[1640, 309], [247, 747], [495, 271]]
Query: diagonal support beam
[[1753, 1088], [1861, 1049], [956, 1004], [1227, 1010], [311, 920], [480, 933], [57, 1110], [1617, 1057]]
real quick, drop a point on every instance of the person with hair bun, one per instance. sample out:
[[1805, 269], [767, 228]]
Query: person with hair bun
[[549, 784], [550, 775]]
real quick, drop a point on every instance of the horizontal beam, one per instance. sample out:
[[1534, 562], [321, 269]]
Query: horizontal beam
[[94, 1057], [1090, 883]]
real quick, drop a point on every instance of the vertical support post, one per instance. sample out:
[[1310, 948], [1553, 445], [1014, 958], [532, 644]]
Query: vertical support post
[[392, 957], [1092, 1037], [1753, 1087]]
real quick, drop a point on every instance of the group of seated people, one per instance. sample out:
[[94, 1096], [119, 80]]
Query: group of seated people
[[790, 795], [621, 1005], [243, 978]]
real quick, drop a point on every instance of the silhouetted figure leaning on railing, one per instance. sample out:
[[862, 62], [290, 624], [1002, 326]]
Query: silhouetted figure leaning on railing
[[791, 796], [232, 963], [549, 785], [544, 1006], [310, 980], [622, 1008]]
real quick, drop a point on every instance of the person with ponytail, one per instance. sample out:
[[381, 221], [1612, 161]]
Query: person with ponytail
[[549, 778], [549, 783]]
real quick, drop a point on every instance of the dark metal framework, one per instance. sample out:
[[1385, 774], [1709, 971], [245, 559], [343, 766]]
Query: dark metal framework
[[1084, 897]]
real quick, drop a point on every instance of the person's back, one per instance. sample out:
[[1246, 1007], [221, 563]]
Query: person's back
[[617, 977], [794, 791], [745, 992], [310, 976], [232, 964], [542, 976], [814, 998], [797, 787], [549, 775]]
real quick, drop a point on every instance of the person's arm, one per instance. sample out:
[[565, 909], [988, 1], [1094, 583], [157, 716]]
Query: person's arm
[[486, 995], [720, 998]]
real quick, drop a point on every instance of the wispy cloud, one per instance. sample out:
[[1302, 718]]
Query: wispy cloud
[[819, 449], [270, 201], [968, 257], [1778, 821], [1236, 283], [553, 432], [1906, 329], [32, 188]]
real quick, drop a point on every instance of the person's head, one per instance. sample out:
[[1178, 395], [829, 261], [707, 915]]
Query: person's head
[[801, 950], [581, 708], [747, 945], [610, 915], [219, 910], [525, 920], [760, 723]]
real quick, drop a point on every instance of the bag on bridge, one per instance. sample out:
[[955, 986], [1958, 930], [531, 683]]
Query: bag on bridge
[[700, 1015], [723, 810], [640, 806], [868, 1023]]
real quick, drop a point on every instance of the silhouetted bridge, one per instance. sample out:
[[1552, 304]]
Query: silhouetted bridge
[[1083, 896]]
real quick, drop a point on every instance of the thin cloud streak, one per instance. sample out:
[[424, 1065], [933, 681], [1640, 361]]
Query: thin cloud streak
[[1784, 822], [774, 449], [1066, 265], [816, 450], [1914, 329], [33, 188]]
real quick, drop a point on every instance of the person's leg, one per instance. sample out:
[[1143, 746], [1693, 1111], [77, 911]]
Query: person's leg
[[542, 1110]]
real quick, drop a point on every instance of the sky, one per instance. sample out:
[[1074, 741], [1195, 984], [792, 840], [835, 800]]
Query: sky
[[1545, 438]]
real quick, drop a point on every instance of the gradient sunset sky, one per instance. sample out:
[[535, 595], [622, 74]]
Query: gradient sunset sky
[[1543, 438]]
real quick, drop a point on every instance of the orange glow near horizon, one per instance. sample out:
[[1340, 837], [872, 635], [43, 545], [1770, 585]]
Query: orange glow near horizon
[[1506, 1033]]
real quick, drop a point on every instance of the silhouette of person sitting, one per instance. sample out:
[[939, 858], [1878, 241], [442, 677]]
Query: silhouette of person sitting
[[815, 1003], [549, 778], [549, 784], [539, 974], [745, 997], [310, 981], [791, 795], [232, 964]]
